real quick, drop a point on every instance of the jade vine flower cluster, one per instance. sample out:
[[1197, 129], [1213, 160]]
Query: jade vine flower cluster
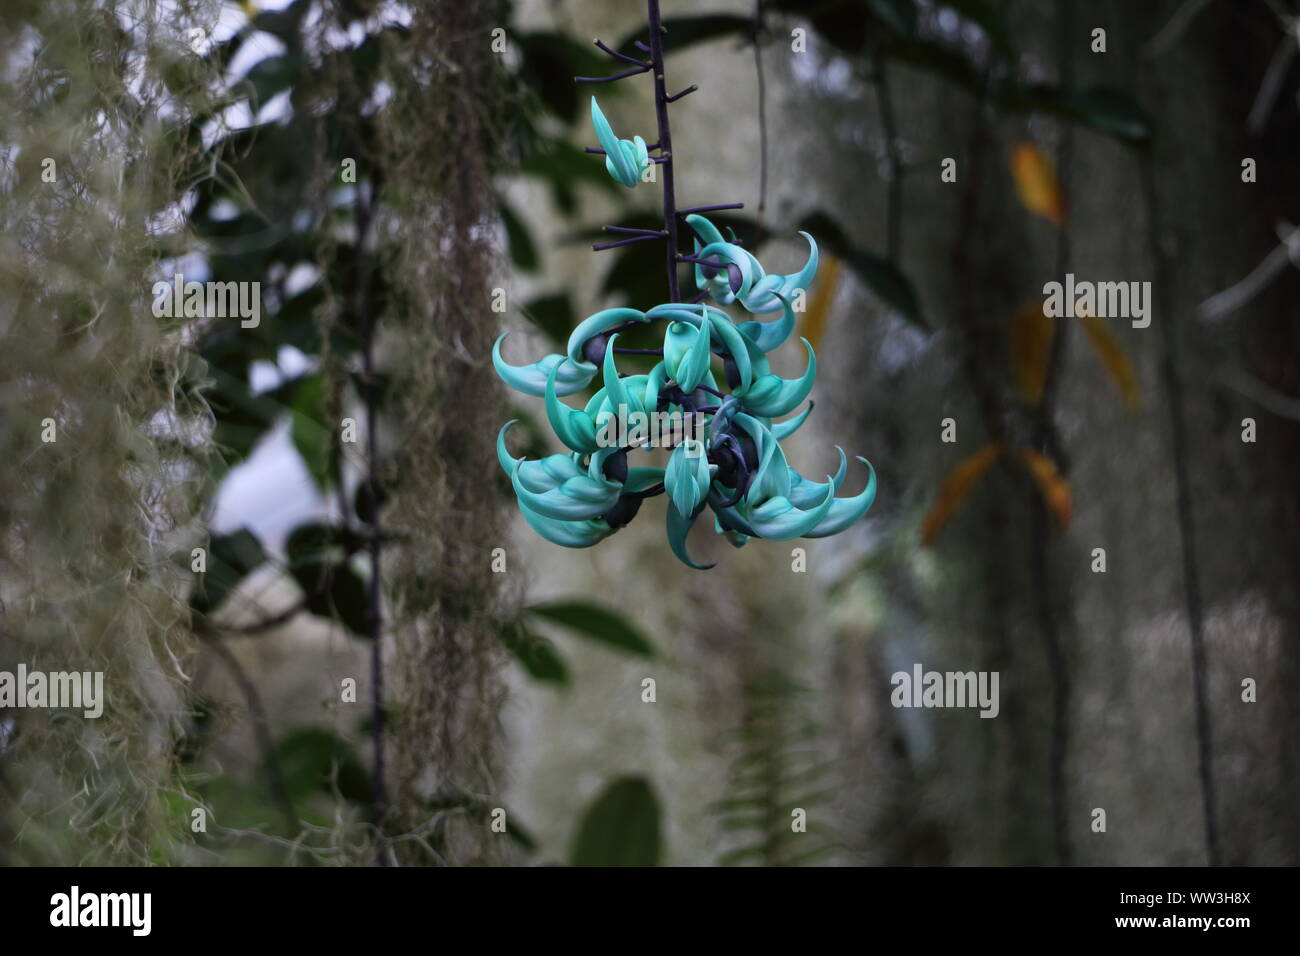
[[737, 468]]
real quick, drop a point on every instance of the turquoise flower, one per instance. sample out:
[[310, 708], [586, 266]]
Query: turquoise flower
[[738, 276], [725, 452], [625, 161]]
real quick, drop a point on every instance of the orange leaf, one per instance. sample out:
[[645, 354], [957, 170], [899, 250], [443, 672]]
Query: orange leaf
[[1054, 488], [955, 488], [1114, 358], [1031, 347], [1036, 182], [814, 320]]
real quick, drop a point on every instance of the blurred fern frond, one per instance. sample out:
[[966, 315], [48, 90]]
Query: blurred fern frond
[[779, 784]]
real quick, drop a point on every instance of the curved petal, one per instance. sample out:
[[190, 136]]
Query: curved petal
[[686, 353], [573, 499], [806, 494], [679, 527], [705, 230], [729, 519], [624, 161], [504, 458], [688, 476], [772, 395], [766, 296], [594, 325], [847, 511], [720, 285], [567, 534], [574, 428], [571, 376], [785, 429], [777, 519], [767, 336], [616, 392], [639, 479]]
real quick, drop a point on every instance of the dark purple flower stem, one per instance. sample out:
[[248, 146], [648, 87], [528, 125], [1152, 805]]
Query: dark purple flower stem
[[713, 208], [665, 142], [619, 56], [610, 79]]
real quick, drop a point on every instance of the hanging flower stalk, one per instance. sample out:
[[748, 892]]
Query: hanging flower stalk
[[726, 455]]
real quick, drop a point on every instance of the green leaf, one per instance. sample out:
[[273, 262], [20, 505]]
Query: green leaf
[[682, 32], [319, 561], [523, 251], [899, 15], [272, 75], [988, 17], [230, 559], [310, 436], [308, 758], [537, 655], [596, 623], [620, 828], [1106, 111], [562, 165], [878, 274], [549, 62]]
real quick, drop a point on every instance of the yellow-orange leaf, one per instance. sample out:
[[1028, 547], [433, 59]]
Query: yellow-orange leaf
[[819, 305], [1114, 358], [955, 488], [1054, 488], [1031, 348], [1036, 182]]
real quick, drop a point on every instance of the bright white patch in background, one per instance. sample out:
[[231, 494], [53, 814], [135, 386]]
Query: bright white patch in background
[[252, 51], [289, 364], [901, 347], [276, 108], [300, 278], [270, 494]]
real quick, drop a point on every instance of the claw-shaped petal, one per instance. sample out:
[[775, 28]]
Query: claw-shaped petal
[[772, 395], [573, 427], [686, 354], [688, 476], [567, 534], [595, 325], [846, 511], [785, 429], [531, 379], [777, 519], [575, 498], [806, 494], [679, 526], [773, 291], [625, 161], [767, 336]]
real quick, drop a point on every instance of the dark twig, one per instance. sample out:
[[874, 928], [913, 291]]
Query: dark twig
[[683, 93], [279, 619], [713, 208], [622, 56], [610, 79], [635, 232], [623, 242], [1046, 441], [1173, 386], [374, 615], [894, 195], [762, 109], [666, 139]]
